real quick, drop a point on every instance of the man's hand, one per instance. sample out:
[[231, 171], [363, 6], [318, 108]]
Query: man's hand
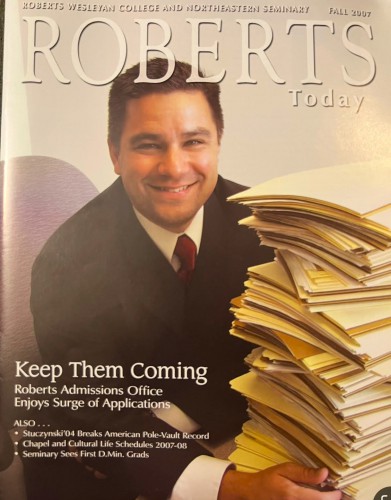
[[282, 482]]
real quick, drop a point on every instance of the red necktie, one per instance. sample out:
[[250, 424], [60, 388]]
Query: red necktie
[[186, 251]]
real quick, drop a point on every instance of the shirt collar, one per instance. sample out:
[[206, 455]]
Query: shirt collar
[[166, 240]]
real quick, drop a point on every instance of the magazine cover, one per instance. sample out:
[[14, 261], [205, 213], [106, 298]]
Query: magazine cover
[[130, 134]]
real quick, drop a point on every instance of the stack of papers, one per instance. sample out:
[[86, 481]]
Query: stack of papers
[[319, 386], [332, 230]]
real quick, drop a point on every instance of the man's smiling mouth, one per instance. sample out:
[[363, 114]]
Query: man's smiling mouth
[[167, 189]]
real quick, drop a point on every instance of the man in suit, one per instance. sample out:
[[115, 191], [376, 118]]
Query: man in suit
[[111, 287]]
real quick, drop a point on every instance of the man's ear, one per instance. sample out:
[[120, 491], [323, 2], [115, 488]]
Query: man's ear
[[114, 155]]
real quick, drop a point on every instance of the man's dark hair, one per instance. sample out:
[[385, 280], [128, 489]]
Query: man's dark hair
[[124, 88]]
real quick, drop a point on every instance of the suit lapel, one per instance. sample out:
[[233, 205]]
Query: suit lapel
[[210, 260]]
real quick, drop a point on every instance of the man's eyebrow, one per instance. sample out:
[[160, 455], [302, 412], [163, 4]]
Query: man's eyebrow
[[144, 136], [197, 131]]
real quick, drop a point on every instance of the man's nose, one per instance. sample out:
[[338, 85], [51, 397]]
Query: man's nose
[[172, 162]]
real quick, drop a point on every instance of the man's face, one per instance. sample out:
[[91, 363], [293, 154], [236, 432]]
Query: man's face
[[167, 156]]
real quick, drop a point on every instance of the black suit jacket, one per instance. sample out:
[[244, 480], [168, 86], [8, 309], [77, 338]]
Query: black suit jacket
[[103, 292]]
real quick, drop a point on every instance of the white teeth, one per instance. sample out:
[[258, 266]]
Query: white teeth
[[173, 190]]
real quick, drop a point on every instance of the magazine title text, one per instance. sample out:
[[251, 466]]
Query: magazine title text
[[43, 27]]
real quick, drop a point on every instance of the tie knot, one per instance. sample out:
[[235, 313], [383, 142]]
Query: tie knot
[[186, 251]]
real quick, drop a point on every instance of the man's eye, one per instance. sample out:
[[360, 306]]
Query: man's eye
[[147, 146], [194, 142]]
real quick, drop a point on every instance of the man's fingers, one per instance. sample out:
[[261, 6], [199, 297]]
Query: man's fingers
[[310, 494], [276, 483], [308, 476], [301, 474]]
